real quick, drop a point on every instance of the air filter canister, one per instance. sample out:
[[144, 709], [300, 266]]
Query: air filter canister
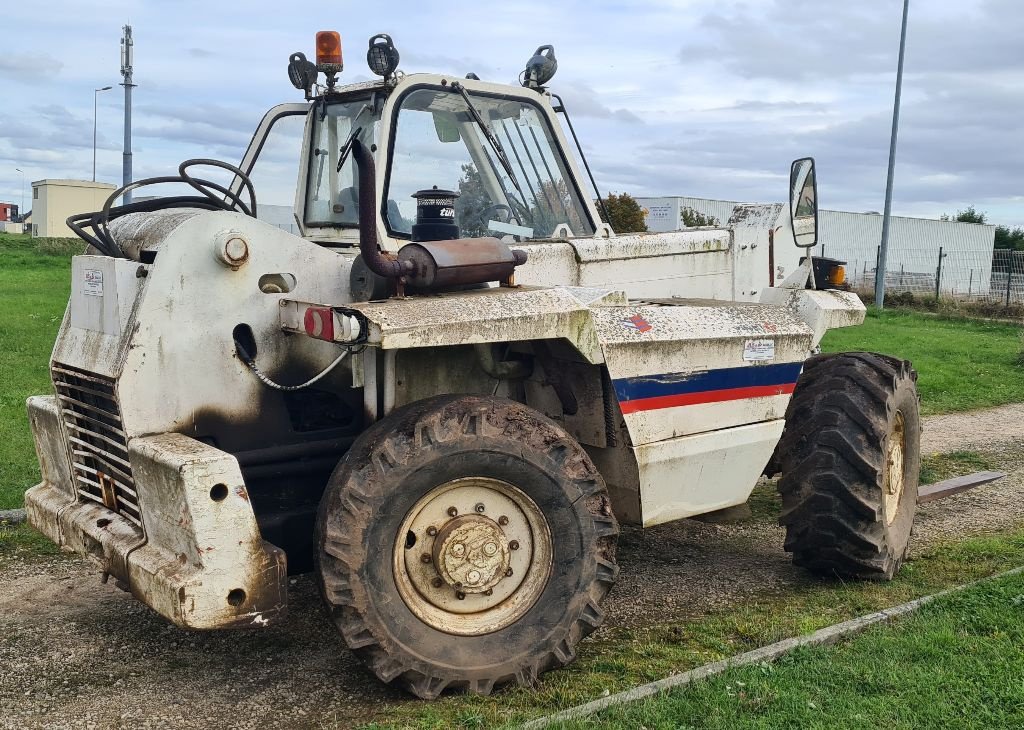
[[435, 215]]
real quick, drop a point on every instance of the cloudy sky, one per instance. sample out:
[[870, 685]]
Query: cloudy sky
[[709, 98]]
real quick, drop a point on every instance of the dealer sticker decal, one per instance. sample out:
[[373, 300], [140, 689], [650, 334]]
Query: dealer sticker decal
[[759, 350], [93, 283], [636, 322]]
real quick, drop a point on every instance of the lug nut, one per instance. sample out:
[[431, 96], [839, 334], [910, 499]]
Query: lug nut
[[457, 586], [480, 507], [508, 573], [452, 511], [489, 592], [514, 545], [460, 595], [425, 558], [437, 582], [503, 520], [431, 530]]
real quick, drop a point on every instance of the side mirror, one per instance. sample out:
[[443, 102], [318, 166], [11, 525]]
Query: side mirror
[[803, 202]]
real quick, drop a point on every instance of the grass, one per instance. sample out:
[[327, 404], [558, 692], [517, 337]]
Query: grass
[[623, 658], [962, 364], [34, 289], [936, 467], [958, 662], [23, 541]]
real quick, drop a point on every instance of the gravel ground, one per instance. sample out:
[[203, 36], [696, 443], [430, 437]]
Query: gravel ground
[[77, 653]]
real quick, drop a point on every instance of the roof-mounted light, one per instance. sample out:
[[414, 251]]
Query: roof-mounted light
[[328, 55], [328, 51], [382, 56], [540, 69]]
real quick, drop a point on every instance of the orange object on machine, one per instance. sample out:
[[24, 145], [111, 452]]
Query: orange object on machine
[[328, 49]]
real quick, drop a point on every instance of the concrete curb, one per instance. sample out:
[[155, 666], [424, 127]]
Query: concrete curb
[[12, 516], [828, 635]]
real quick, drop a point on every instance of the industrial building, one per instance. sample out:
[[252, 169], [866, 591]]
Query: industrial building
[[915, 244], [53, 201]]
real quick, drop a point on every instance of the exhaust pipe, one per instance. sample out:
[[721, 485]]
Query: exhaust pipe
[[374, 258], [428, 265]]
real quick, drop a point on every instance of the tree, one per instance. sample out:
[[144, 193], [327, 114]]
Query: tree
[[691, 218], [471, 203], [624, 214], [967, 215], [1010, 238]]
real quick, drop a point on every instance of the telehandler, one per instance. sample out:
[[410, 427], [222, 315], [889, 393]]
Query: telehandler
[[450, 387]]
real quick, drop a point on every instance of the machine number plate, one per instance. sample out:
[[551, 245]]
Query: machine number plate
[[93, 283], [759, 350]]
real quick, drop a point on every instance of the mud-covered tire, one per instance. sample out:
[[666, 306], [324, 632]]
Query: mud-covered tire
[[852, 418], [395, 465]]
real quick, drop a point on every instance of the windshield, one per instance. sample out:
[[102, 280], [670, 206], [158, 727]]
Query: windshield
[[332, 195], [439, 142]]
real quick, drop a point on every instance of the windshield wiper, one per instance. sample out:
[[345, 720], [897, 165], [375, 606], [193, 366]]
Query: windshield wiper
[[495, 144]]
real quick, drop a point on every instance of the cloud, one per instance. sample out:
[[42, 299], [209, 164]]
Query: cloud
[[28, 67], [701, 97], [582, 101]]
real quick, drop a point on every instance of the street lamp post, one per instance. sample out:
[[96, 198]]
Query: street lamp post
[[883, 249], [95, 96]]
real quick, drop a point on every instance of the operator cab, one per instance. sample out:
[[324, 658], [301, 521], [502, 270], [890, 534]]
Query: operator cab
[[502, 153]]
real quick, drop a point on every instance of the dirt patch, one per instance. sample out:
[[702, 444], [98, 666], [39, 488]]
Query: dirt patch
[[77, 653], [983, 428]]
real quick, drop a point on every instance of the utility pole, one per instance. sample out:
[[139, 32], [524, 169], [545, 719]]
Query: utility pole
[[22, 210], [127, 57], [884, 249], [95, 96]]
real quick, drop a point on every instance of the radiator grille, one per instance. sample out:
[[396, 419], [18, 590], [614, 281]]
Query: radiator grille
[[99, 449]]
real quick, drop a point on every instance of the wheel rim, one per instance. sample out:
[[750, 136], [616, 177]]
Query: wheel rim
[[894, 476], [472, 556]]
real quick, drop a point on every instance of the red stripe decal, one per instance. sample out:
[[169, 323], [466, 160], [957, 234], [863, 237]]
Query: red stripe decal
[[708, 396]]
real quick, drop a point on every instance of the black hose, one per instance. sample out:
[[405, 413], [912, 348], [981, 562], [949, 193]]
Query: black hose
[[98, 221]]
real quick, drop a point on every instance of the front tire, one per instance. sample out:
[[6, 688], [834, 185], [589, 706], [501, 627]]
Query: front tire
[[465, 542], [850, 458]]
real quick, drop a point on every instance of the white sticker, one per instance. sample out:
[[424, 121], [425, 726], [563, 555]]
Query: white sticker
[[759, 350], [93, 283]]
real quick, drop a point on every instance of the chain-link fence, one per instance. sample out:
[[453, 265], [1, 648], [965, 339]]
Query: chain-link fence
[[948, 274]]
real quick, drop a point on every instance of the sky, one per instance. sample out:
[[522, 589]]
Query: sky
[[704, 98]]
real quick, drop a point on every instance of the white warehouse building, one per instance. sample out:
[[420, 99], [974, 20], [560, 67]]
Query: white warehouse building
[[914, 245]]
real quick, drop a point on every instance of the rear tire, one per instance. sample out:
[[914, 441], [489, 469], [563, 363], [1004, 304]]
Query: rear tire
[[465, 542], [850, 458]]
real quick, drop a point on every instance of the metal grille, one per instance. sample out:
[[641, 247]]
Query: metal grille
[[99, 449]]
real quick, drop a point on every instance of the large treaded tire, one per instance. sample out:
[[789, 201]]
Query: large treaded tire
[[834, 456], [405, 456]]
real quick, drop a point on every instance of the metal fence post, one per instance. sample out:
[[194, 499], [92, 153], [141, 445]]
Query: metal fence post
[[938, 275], [970, 283], [1009, 277]]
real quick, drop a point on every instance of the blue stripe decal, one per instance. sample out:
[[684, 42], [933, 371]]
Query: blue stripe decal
[[655, 386]]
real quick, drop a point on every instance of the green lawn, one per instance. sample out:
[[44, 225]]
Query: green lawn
[[34, 290], [961, 364], [959, 662]]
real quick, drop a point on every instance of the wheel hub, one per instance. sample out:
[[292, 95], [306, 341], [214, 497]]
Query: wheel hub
[[894, 477], [472, 556], [471, 553]]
